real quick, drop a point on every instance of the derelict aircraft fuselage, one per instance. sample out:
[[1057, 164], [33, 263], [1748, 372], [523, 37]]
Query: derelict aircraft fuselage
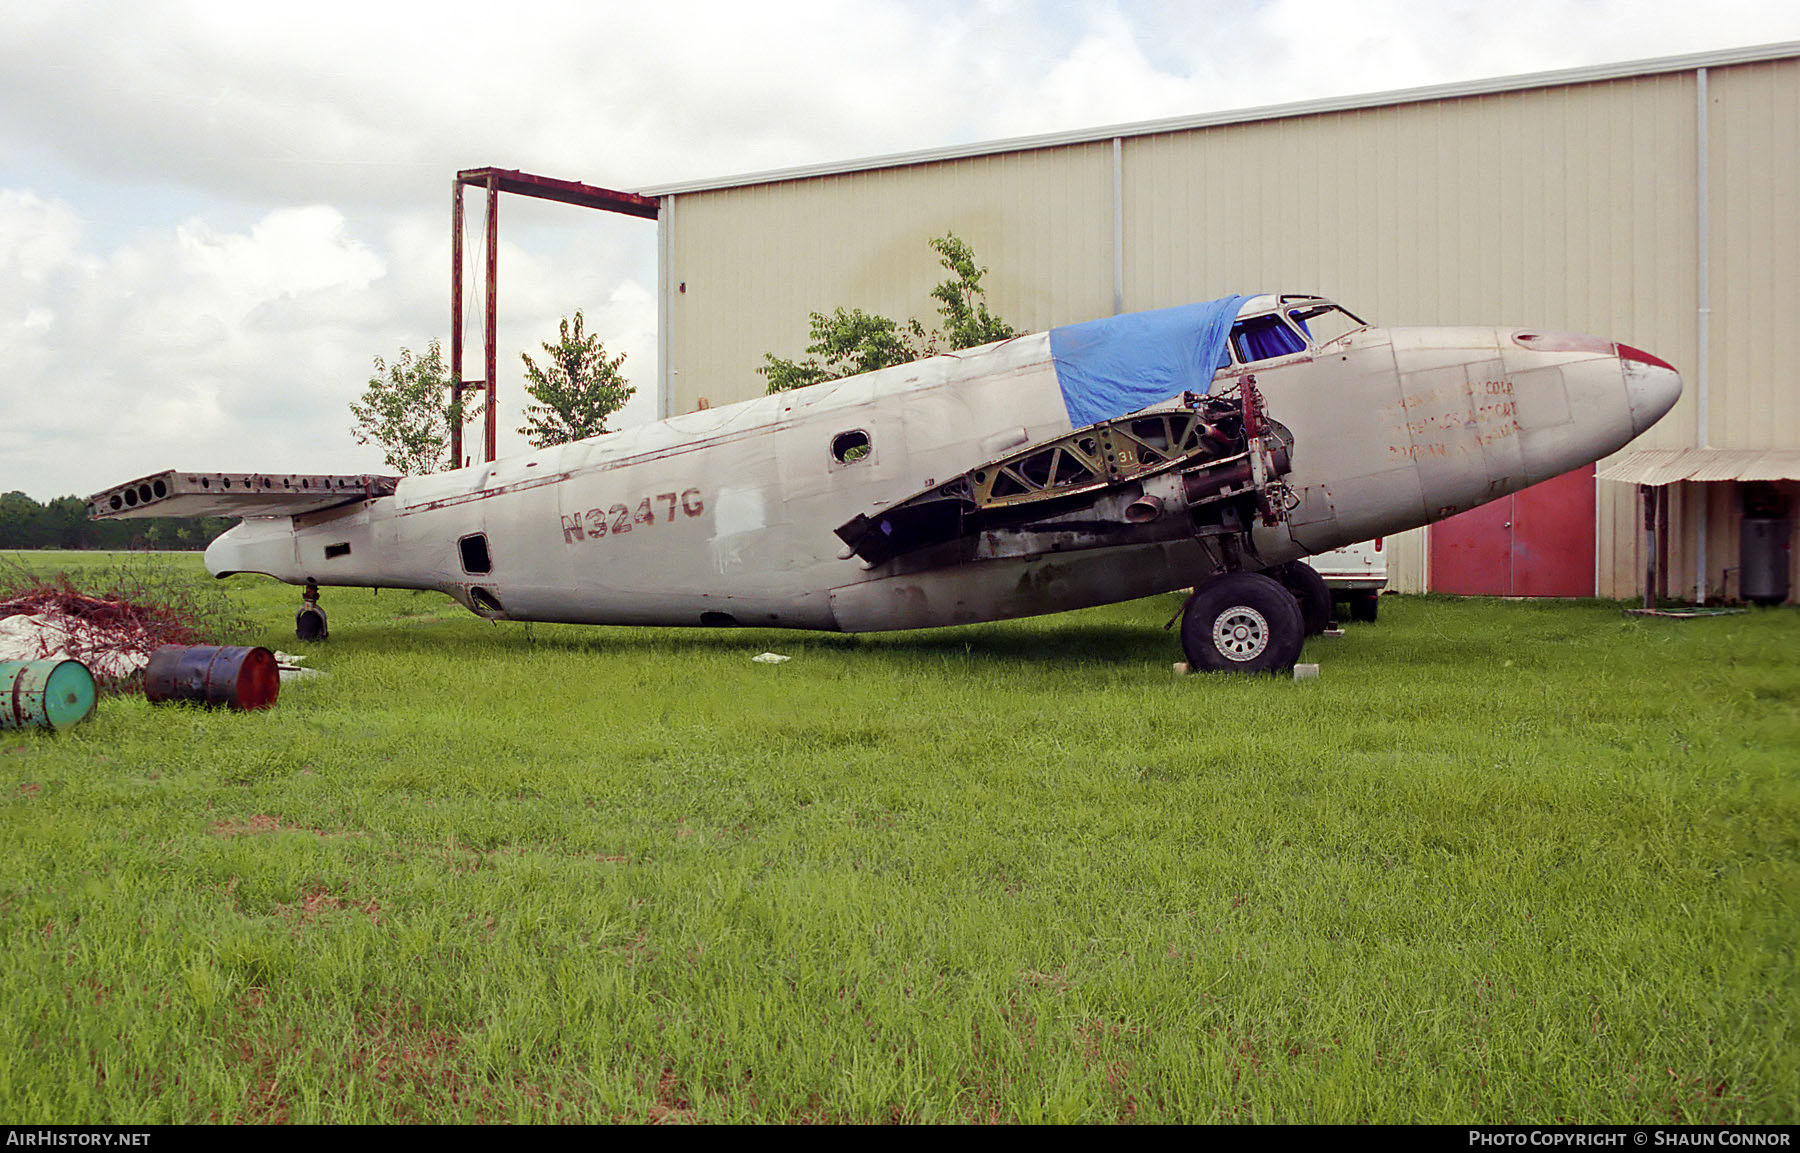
[[1092, 464]]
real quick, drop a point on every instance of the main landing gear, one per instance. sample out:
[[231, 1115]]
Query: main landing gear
[[1310, 589], [309, 622], [1242, 622]]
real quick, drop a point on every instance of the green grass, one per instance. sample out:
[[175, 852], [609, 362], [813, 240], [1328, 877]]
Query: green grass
[[1501, 862]]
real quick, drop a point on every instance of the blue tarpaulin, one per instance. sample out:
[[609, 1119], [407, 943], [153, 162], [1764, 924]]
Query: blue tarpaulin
[[1117, 365]]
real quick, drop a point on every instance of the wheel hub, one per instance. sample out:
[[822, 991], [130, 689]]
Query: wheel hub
[[1240, 633]]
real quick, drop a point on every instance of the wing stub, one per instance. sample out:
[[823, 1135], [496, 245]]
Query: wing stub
[[178, 493]]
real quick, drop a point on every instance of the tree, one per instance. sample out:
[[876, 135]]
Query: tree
[[576, 389], [21, 521], [66, 523], [408, 411], [962, 302], [63, 523], [855, 341]]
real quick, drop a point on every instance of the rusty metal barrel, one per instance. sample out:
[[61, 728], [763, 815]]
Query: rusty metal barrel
[[234, 676], [50, 694]]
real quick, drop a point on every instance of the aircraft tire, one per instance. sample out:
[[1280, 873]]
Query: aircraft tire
[[309, 624], [1310, 589], [1242, 622]]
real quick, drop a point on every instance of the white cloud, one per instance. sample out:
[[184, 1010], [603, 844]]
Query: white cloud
[[290, 252], [197, 348], [149, 348], [37, 237]]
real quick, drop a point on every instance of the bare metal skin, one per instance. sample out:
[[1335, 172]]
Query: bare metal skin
[[733, 515]]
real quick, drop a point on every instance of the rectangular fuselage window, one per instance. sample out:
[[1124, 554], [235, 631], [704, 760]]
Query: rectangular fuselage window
[[474, 551]]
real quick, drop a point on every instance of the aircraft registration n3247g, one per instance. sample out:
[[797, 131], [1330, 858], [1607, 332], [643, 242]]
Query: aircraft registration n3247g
[[1211, 445]]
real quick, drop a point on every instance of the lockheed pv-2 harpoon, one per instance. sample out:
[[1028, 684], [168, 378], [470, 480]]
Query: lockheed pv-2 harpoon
[[1211, 445]]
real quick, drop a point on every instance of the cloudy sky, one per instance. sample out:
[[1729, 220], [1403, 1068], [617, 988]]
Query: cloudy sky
[[214, 215]]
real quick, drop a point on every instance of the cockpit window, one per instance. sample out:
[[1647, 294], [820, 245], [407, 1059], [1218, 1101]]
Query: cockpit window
[[1309, 321], [1324, 323], [1264, 338]]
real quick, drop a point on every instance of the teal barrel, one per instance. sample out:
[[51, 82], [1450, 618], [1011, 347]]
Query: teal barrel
[[230, 675], [52, 694]]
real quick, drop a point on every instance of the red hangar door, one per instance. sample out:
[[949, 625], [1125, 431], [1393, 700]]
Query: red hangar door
[[1538, 542]]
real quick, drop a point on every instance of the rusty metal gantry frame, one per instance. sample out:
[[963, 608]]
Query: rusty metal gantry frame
[[496, 181]]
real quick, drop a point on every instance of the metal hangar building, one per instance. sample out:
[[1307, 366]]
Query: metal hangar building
[[1655, 203]]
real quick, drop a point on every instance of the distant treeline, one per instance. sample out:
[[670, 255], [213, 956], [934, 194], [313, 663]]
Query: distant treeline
[[64, 523]]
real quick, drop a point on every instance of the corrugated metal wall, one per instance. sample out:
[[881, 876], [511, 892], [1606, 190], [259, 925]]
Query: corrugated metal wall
[[750, 263], [1572, 207], [1755, 182]]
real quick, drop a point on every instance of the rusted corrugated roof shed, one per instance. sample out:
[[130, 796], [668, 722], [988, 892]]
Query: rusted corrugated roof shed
[[1660, 466]]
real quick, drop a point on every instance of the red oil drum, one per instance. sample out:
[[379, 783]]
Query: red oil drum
[[52, 694], [229, 675]]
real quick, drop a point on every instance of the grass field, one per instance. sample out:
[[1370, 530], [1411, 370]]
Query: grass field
[[1501, 862]]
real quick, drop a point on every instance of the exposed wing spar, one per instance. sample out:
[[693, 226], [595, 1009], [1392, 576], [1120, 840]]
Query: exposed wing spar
[[175, 493], [1122, 481]]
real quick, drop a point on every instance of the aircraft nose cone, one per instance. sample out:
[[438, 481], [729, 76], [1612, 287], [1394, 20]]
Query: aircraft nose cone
[[1652, 386]]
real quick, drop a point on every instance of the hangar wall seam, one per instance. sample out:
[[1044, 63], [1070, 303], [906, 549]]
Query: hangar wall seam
[[1703, 317]]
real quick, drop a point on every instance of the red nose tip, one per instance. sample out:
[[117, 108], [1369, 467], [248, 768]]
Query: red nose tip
[[1626, 352]]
